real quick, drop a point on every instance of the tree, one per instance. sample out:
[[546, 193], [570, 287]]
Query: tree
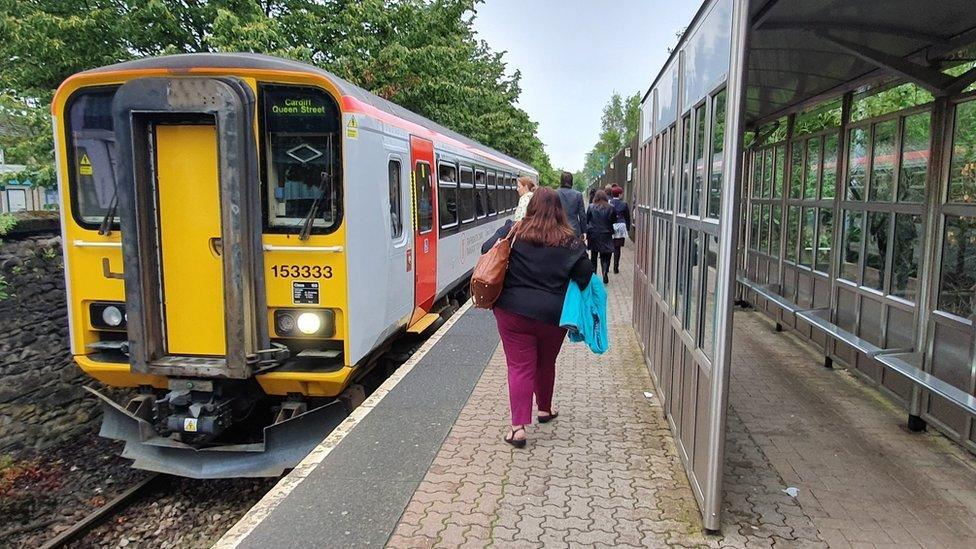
[[618, 127], [420, 54]]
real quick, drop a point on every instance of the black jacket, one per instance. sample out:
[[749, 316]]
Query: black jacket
[[599, 236], [537, 277], [572, 201], [623, 211]]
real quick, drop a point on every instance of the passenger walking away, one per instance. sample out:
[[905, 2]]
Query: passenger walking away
[[525, 187], [545, 256], [600, 217], [572, 201], [621, 228]]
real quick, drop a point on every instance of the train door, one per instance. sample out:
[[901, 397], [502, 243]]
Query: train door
[[189, 226], [424, 231]]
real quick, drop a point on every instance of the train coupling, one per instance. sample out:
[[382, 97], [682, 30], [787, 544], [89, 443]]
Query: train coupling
[[283, 444]]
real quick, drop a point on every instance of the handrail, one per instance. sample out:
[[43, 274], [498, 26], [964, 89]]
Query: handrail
[[90, 244], [326, 249]]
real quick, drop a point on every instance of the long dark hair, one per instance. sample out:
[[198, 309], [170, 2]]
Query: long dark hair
[[600, 200], [545, 221]]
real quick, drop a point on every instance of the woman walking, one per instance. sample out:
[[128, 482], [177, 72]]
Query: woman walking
[[600, 217], [525, 188], [545, 256], [621, 228]]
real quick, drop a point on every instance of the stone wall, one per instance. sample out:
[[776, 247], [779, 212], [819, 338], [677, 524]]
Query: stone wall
[[41, 397]]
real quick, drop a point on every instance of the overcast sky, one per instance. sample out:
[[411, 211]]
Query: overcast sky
[[574, 54]]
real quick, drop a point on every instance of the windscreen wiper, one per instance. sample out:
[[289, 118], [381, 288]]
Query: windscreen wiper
[[309, 220], [105, 228]]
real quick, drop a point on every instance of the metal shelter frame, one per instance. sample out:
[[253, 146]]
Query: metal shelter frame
[[849, 209]]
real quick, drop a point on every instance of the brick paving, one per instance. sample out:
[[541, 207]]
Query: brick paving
[[607, 472]]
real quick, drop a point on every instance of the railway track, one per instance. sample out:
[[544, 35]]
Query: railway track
[[103, 513]]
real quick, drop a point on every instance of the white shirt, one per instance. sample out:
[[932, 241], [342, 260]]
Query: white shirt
[[523, 204]]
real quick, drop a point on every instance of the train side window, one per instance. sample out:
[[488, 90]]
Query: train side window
[[301, 159], [492, 194], [424, 198], [481, 194], [513, 193], [466, 195], [396, 210], [91, 155], [447, 198]]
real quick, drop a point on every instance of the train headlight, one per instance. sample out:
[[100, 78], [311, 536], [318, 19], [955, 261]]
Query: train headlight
[[109, 315], [112, 316], [309, 323], [318, 323]]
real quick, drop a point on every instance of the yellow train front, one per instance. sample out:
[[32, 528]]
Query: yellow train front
[[209, 207]]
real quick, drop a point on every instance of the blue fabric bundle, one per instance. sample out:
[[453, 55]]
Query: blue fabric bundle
[[585, 315]]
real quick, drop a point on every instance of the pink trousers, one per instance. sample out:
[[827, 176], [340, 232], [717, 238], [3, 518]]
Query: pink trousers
[[531, 348]]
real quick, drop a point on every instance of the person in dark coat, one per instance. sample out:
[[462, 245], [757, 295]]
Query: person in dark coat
[[600, 218], [572, 202], [622, 227], [545, 257]]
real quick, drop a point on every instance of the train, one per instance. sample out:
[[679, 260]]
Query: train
[[243, 236]]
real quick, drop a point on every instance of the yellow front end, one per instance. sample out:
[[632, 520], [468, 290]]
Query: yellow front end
[[300, 275]]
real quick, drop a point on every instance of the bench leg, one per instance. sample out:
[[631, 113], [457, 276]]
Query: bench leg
[[779, 327], [916, 424], [828, 362]]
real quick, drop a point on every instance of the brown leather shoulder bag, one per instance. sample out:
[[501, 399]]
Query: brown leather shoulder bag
[[488, 277]]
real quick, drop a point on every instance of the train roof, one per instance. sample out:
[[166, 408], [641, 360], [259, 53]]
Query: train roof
[[257, 61]]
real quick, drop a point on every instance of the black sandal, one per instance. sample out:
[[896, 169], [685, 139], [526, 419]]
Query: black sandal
[[550, 417], [518, 443]]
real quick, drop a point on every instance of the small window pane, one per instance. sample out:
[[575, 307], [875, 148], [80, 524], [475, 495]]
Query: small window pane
[[685, 164], [958, 280], [699, 176], [914, 157], [756, 214], [857, 164], [883, 168], [711, 278], [396, 221], [778, 175], [693, 290], [681, 282], [830, 167], [813, 169], [851, 260], [824, 240], [718, 144], [767, 181], [876, 251], [424, 198], [796, 170], [962, 170], [907, 255], [481, 194], [764, 229], [792, 232], [492, 195], [873, 103], [806, 236], [774, 230], [466, 195], [757, 157]]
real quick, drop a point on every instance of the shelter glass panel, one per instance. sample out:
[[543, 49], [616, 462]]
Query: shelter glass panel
[[718, 144], [824, 240], [812, 175], [883, 166], [851, 246], [807, 232], [829, 185], [876, 250], [962, 170], [906, 255], [857, 163], [957, 287], [699, 176], [711, 278], [796, 170], [792, 233], [915, 157]]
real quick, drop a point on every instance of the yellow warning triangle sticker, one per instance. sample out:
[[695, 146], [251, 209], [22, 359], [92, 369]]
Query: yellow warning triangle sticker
[[353, 123], [85, 166], [352, 128]]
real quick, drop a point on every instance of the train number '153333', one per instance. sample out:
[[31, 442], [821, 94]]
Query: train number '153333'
[[301, 271]]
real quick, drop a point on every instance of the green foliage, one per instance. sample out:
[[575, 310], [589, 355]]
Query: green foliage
[[420, 54], [7, 222], [618, 126]]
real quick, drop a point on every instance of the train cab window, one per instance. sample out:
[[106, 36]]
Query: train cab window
[[302, 168], [424, 197], [91, 155], [492, 194], [447, 199], [481, 194], [466, 193], [396, 210]]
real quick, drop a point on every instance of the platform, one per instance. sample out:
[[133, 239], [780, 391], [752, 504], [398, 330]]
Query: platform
[[422, 463]]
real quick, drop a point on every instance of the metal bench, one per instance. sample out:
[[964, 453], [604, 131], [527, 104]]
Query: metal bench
[[769, 293], [934, 385]]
